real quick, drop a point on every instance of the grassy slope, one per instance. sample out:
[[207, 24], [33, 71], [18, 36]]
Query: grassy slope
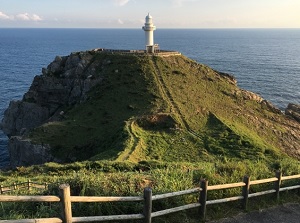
[[114, 123], [141, 117]]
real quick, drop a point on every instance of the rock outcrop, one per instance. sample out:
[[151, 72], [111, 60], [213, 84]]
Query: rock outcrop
[[293, 110], [23, 152], [64, 82], [21, 116]]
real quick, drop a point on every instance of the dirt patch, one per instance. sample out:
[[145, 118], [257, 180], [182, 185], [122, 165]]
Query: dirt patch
[[156, 122]]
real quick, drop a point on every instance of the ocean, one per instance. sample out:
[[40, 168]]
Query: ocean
[[264, 61]]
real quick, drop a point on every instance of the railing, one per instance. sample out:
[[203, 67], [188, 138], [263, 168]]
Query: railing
[[66, 200], [24, 185]]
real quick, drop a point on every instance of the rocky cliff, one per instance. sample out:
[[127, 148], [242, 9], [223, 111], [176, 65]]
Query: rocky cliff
[[65, 82], [293, 111], [97, 105]]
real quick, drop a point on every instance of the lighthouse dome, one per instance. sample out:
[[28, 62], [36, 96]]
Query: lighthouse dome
[[148, 16], [148, 19]]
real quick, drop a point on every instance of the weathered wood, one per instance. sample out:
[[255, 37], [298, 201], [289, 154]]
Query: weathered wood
[[65, 197], [173, 210], [245, 191], [290, 188], [262, 193], [104, 199], [173, 194], [277, 183], [224, 200], [226, 186], [290, 177], [5, 198], [38, 220], [147, 204], [203, 198], [108, 218], [28, 185], [269, 180]]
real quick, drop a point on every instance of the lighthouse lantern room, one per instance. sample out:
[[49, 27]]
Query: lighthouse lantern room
[[149, 28]]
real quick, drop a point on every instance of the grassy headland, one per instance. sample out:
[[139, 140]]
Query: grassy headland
[[164, 122]]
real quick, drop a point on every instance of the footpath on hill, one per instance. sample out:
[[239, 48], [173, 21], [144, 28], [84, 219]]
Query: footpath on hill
[[286, 213]]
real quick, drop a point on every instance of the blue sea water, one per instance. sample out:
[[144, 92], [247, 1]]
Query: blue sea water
[[265, 61]]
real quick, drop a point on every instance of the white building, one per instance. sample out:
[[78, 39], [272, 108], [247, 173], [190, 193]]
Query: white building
[[149, 37]]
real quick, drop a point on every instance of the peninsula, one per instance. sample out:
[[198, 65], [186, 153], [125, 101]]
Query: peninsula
[[134, 106]]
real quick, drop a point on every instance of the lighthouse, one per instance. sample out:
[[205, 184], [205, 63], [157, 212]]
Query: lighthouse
[[149, 28]]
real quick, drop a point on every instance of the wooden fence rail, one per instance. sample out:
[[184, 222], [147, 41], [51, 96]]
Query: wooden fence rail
[[66, 200], [24, 185]]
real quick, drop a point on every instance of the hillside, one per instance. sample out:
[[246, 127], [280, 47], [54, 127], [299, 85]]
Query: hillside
[[99, 105]]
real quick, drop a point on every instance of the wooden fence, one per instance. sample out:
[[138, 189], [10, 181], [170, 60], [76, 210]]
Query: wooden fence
[[24, 185], [66, 200]]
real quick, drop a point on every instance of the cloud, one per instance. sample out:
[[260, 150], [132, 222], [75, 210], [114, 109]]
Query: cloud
[[120, 21], [27, 17], [179, 3], [4, 16], [121, 2], [35, 17]]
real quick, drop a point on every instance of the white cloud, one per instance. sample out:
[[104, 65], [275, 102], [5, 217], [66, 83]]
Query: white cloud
[[121, 2], [179, 3], [35, 17], [4, 16], [27, 17], [23, 16], [120, 21]]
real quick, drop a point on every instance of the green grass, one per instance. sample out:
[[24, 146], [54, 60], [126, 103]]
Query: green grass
[[134, 131], [113, 124], [111, 178]]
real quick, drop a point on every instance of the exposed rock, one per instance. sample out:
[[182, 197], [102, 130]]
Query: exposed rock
[[51, 91], [23, 152], [293, 110], [247, 95], [229, 77], [23, 115], [64, 82], [270, 106]]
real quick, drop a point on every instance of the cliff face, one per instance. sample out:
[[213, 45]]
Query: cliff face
[[65, 82], [106, 105], [23, 152]]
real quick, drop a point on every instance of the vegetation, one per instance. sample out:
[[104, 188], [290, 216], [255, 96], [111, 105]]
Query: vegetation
[[111, 178], [147, 107], [164, 122]]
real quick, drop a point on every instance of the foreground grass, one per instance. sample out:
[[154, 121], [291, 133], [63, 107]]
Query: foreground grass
[[104, 178]]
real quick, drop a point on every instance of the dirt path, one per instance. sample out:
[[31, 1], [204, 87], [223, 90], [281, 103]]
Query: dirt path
[[168, 96], [286, 213]]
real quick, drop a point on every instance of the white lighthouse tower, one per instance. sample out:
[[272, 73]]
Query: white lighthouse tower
[[149, 28]]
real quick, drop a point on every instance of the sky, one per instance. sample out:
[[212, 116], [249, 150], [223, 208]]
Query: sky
[[166, 13]]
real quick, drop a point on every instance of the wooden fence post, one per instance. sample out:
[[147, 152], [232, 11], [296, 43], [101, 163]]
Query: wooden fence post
[[147, 204], [28, 185], [65, 199], [1, 189], [15, 186], [46, 186], [245, 192], [277, 183], [203, 198]]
